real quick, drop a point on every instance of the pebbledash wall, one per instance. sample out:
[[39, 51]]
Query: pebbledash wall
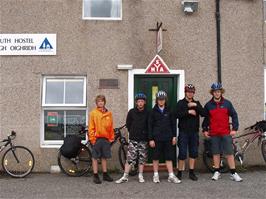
[[93, 49]]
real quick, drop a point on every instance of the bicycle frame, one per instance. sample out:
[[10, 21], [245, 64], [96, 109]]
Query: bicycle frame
[[252, 137], [9, 142]]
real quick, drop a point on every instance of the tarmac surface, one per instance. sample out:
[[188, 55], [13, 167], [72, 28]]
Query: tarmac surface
[[62, 186]]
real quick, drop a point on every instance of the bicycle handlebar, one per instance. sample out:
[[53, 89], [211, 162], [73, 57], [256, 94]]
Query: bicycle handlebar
[[120, 128], [256, 125], [85, 129], [12, 135]]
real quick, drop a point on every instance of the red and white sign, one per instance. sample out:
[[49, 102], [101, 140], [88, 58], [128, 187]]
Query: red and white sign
[[157, 66]]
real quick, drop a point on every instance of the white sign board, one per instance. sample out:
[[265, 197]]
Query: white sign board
[[159, 40], [27, 44]]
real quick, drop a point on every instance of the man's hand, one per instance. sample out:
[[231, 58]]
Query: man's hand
[[206, 134], [152, 144], [192, 112], [233, 133], [174, 141], [192, 104]]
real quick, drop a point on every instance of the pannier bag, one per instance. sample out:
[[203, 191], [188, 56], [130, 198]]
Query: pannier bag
[[261, 125], [71, 146]]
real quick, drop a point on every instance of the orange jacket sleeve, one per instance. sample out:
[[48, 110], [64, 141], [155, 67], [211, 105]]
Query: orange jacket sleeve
[[112, 134], [91, 131]]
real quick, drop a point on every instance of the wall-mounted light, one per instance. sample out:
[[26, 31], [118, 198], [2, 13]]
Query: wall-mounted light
[[190, 6]]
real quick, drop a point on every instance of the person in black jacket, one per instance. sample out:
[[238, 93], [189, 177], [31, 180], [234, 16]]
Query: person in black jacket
[[137, 125], [188, 112], [162, 136]]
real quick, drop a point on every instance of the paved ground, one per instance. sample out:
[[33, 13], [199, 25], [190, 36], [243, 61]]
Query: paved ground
[[61, 186]]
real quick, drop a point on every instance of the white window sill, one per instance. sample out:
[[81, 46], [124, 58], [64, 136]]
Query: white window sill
[[101, 19], [51, 146]]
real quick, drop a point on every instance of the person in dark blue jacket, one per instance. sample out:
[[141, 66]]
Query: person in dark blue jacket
[[162, 136]]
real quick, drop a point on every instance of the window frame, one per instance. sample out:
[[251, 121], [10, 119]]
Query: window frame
[[103, 18], [64, 78], [61, 107]]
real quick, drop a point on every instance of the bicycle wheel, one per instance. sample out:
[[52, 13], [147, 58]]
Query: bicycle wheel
[[208, 162], [122, 154], [263, 149], [77, 166], [18, 161]]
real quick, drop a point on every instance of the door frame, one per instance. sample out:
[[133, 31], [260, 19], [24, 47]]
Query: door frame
[[131, 74]]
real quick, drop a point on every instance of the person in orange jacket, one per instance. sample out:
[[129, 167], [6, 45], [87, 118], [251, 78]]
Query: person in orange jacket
[[101, 134]]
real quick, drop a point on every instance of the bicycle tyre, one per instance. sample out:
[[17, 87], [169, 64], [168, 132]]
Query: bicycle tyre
[[208, 162], [78, 166], [122, 154], [13, 155], [263, 149]]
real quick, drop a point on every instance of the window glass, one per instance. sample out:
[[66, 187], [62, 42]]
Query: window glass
[[74, 92], [54, 92], [102, 8]]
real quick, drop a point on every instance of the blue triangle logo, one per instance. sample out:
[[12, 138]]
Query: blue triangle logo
[[46, 44]]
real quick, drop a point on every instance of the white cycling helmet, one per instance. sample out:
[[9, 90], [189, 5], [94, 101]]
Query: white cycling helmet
[[161, 95]]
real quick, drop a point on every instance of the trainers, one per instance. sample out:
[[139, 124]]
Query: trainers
[[216, 175], [107, 178], [122, 180], [193, 177], [156, 179], [141, 179], [174, 179], [236, 177], [96, 179]]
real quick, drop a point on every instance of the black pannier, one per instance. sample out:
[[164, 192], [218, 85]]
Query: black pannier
[[71, 146], [261, 125]]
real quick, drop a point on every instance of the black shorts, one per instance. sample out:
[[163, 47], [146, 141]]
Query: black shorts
[[163, 148], [101, 149]]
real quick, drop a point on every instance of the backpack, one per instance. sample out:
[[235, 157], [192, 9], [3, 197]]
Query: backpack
[[71, 146]]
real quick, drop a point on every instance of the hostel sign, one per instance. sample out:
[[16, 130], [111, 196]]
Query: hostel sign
[[157, 66], [27, 44]]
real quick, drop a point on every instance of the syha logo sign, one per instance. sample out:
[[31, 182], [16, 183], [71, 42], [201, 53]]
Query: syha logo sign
[[46, 44]]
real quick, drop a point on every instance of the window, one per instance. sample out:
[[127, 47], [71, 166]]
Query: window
[[64, 92], [102, 9], [64, 108]]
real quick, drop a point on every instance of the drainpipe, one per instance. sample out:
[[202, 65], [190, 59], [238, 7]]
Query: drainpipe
[[218, 37]]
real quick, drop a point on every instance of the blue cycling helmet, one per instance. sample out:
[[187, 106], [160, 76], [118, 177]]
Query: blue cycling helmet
[[140, 96], [216, 86]]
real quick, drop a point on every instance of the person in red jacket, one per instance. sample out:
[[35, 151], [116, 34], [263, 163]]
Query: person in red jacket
[[216, 126]]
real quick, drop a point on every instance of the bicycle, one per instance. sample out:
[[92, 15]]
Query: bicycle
[[255, 132], [82, 163], [17, 161]]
